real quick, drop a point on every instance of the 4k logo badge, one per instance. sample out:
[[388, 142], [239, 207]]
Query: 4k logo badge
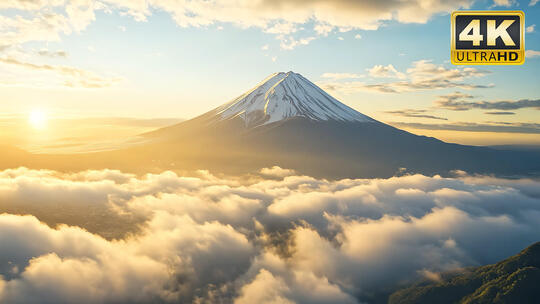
[[488, 37]]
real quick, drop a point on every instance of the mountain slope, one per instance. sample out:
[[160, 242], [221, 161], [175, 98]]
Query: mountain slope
[[514, 280]]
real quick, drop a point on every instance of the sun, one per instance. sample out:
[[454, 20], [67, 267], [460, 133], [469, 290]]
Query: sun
[[37, 119]]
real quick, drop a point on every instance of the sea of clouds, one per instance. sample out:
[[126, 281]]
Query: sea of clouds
[[271, 237]]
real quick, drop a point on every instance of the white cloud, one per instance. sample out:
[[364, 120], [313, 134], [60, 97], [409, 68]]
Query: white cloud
[[265, 47], [289, 42], [277, 172], [265, 289], [425, 70], [281, 28], [533, 2], [531, 53], [381, 71], [422, 75], [29, 5], [52, 54], [81, 13], [294, 239], [357, 36], [530, 28], [323, 29], [503, 2], [40, 27], [296, 287]]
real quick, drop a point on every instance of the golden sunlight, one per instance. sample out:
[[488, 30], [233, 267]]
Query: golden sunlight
[[37, 119]]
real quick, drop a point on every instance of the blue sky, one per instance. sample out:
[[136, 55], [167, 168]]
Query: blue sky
[[182, 62]]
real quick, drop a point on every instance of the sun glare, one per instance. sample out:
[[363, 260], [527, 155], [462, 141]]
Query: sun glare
[[37, 119]]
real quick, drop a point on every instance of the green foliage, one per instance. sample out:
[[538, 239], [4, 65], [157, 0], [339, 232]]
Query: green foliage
[[514, 280]]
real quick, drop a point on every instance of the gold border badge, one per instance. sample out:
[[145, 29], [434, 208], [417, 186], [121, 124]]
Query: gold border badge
[[487, 54]]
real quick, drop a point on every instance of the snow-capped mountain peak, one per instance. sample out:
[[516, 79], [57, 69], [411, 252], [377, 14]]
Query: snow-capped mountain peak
[[286, 95]]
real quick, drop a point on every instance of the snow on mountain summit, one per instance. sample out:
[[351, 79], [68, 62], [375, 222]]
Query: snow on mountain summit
[[286, 95]]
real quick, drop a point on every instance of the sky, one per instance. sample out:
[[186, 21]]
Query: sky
[[164, 59]]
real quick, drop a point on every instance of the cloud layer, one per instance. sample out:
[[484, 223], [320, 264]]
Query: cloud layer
[[288, 239]]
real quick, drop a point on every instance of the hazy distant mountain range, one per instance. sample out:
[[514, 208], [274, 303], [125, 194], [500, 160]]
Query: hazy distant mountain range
[[288, 121]]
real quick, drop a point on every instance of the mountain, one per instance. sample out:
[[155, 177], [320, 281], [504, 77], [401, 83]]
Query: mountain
[[514, 280], [288, 121], [279, 98], [286, 95]]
